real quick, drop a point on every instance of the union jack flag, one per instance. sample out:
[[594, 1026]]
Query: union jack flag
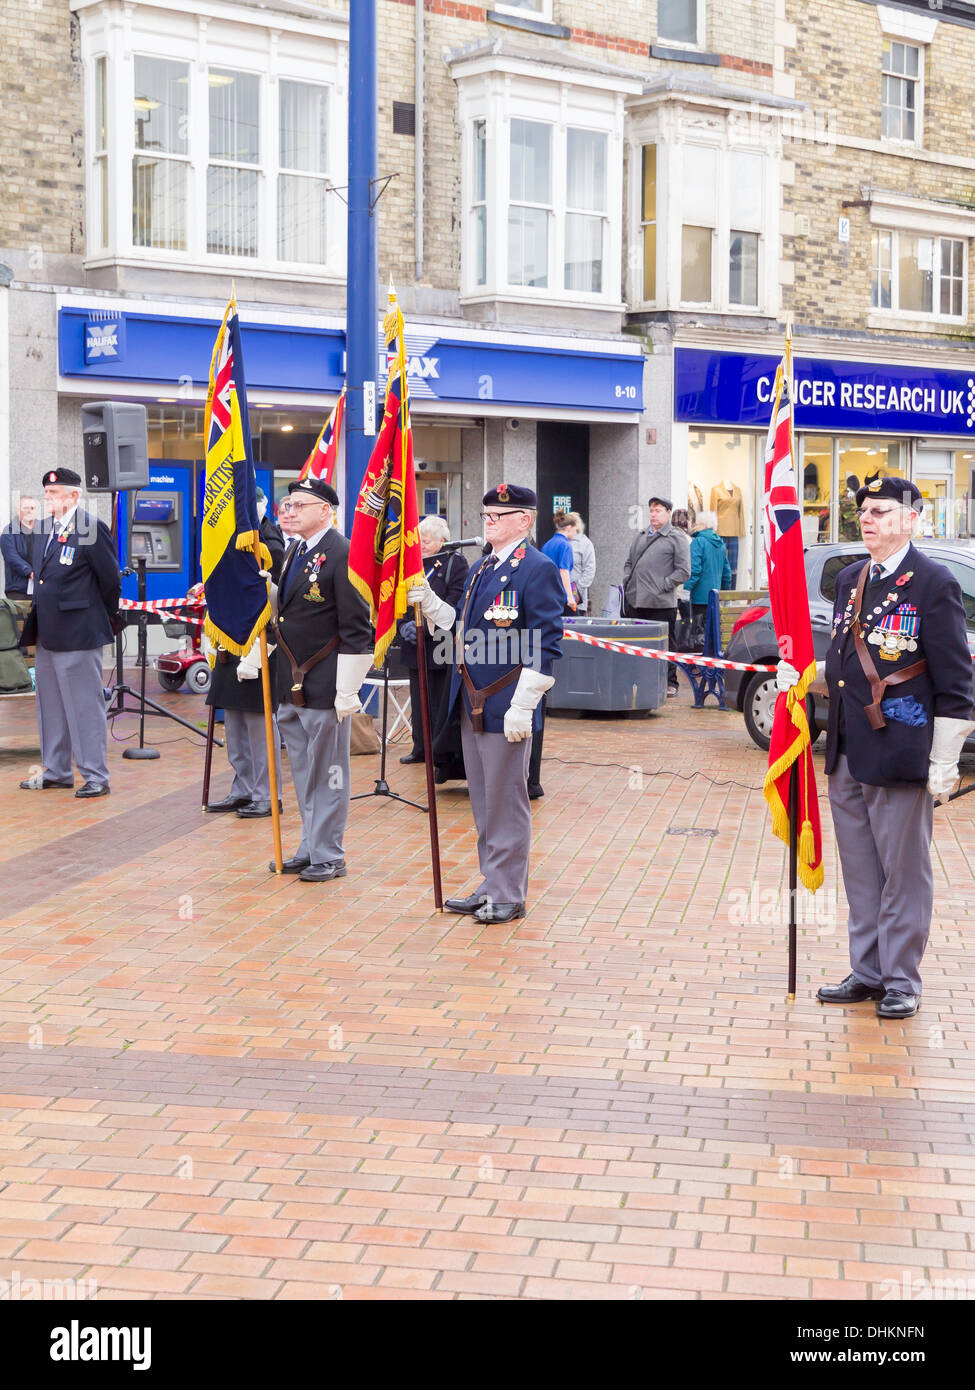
[[320, 463], [790, 752]]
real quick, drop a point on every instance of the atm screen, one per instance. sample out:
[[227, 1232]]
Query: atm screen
[[158, 509], [141, 545]]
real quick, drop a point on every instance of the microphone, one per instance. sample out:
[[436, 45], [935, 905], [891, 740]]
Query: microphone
[[457, 545]]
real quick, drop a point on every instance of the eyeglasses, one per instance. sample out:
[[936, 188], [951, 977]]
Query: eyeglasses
[[297, 506], [879, 511], [496, 516]]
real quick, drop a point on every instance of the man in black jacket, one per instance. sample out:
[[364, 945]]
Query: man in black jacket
[[325, 645], [899, 674], [446, 575], [76, 590], [236, 689]]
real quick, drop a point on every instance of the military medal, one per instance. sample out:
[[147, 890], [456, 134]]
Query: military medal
[[314, 594], [896, 632], [67, 555], [504, 609]]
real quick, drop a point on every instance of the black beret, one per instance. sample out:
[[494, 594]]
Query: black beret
[[62, 477], [893, 490], [510, 495], [663, 502], [317, 487]]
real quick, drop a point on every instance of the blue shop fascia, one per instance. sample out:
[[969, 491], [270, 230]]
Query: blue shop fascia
[[857, 416], [486, 403]]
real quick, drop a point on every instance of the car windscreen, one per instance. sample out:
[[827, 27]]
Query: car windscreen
[[834, 566]]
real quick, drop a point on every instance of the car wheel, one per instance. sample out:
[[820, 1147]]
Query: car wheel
[[198, 677], [170, 680], [758, 706]]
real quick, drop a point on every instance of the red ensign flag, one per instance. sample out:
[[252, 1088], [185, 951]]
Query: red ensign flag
[[790, 753], [384, 548]]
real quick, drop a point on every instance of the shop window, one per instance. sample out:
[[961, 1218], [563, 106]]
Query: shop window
[[901, 103], [720, 472], [681, 21], [923, 275], [648, 224], [302, 182], [160, 165]]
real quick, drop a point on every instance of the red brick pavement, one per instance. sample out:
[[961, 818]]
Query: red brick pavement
[[215, 1084]]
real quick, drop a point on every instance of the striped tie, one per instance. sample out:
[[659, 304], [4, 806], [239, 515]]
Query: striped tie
[[876, 570]]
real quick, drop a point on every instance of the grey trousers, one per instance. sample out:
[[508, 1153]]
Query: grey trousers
[[883, 836], [318, 750], [71, 714], [247, 751], [497, 779]]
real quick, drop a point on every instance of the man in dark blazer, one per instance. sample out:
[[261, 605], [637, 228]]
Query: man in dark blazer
[[511, 629], [76, 590], [446, 575], [236, 689], [325, 646], [899, 674], [17, 548]]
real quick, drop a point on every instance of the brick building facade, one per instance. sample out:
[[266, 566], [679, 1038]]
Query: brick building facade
[[598, 187]]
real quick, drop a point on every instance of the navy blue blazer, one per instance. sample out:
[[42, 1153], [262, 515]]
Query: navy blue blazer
[[77, 584], [529, 586], [922, 604]]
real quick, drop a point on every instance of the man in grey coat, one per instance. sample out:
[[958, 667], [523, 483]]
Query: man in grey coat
[[657, 565]]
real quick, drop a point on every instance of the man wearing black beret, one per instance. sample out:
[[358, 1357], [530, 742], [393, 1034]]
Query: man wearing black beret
[[510, 637], [899, 674], [76, 590], [325, 643]]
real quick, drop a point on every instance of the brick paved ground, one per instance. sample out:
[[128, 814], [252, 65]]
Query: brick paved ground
[[218, 1084]]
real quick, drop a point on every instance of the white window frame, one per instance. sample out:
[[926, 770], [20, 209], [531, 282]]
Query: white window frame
[[666, 128], [919, 85], [894, 212], [269, 46], [497, 88], [702, 26], [543, 13], [919, 315]]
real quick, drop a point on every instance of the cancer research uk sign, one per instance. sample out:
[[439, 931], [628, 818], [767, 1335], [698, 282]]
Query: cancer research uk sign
[[849, 397]]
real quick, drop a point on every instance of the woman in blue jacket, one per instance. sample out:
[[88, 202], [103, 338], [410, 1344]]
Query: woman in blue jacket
[[710, 568]]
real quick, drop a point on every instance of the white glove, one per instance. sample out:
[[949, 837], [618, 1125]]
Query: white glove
[[437, 612], [249, 665], [531, 686], [786, 676], [350, 672], [946, 746]]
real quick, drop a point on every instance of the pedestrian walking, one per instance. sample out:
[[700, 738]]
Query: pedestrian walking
[[657, 565], [583, 563]]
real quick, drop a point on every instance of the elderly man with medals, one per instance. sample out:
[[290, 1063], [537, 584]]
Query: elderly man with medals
[[899, 674], [324, 639], [509, 637]]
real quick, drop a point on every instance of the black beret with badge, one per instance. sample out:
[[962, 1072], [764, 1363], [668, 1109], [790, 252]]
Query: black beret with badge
[[510, 495], [61, 477], [316, 487], [892, 490]]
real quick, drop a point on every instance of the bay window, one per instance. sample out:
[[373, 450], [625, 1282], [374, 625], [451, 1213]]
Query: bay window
[[224, 150], [648, 222], [585, 216], [530, 203]]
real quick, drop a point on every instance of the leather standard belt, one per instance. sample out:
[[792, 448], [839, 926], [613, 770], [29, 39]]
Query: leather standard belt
[[478, 697], [873, 711], [298, 673]]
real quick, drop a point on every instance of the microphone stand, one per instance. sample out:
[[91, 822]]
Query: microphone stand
[[381, 787]]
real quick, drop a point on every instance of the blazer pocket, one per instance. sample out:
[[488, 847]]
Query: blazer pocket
[[71, 605]]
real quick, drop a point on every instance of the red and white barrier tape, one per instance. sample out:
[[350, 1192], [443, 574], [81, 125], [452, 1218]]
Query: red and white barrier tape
[[685, 658], [162, 605]]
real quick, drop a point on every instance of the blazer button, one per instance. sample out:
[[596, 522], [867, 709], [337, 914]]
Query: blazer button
[[841, 682]]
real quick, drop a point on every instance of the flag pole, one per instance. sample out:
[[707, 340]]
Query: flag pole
[[208, 756], [272, 752], [793, 875], [421, 654]]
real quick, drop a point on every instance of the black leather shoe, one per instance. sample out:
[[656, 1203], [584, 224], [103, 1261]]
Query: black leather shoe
[[252, 810], [412, 758], [291, 866], [470, 904], [534, 791], [229, 803], [93, 789], [321, 873], [897, 1005], [851, 991], [499, 912], [38, 784]]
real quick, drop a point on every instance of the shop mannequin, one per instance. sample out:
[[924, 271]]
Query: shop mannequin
[[728, 505]]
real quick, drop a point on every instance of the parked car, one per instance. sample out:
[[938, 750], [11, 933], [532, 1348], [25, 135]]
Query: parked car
[[753, 635]]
